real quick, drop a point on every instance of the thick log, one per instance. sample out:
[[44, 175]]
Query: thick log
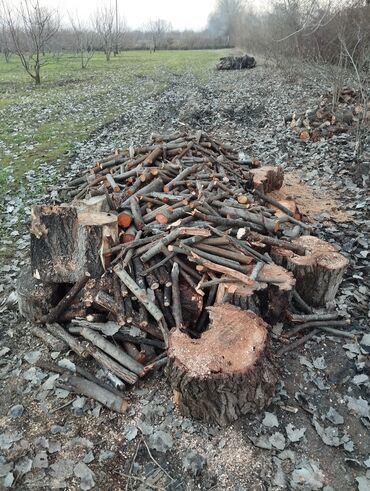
[[318, 273], [67, 243], [36, 297], [269, 296], [225, 373]]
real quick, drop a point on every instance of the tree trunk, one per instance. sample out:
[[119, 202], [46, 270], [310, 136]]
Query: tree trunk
[[67, 242], [227, 372], [318, 274]]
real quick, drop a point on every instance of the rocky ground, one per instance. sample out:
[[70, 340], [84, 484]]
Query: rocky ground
[[316, 433]]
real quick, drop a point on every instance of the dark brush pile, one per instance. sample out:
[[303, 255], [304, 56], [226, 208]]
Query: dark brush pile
[[236, 63]]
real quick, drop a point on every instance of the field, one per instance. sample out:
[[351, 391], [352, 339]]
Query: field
[[315, 433]]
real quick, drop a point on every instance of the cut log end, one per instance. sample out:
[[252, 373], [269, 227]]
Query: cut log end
[[318, 273], [226, 372]]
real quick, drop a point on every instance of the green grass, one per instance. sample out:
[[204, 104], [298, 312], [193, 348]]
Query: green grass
[[40, 124]]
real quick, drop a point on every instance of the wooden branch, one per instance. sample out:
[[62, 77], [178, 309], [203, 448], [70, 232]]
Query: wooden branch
[[49, 339], [56, 311], [139, 294], [176, 302], [93, 391]]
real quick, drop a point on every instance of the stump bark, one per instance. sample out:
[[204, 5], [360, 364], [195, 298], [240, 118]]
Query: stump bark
[[318, 273], [269, 297], [35, 297], [225, 373], [67, 242]]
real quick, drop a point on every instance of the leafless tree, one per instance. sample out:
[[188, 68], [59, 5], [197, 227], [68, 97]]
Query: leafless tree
[[5, 42], [83, 38], [31, 28], [104, 25], [158, 31], [225, 18]]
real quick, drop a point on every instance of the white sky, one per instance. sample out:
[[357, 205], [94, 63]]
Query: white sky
[[183, 14]]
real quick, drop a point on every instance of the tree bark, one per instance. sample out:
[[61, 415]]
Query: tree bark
[[225, 373], [318, 273]]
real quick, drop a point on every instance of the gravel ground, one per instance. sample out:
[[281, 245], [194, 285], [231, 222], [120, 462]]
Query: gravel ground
[[316, 433]]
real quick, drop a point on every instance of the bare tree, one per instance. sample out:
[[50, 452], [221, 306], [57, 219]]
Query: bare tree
[[5, 42], [225, 18], [83, 38], [158, 31], [104, 25], [31, 28]]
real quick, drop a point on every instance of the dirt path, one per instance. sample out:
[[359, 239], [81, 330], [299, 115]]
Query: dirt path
[[315, 435]]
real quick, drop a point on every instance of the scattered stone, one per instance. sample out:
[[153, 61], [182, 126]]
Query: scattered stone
[[270, 420], [319, 363], [32, 357], [294, 434], [334, 417], [130, 433], [16, 411], [160, 441], [8, 438], [86, 475], [307, 476], [193, 463], [23, 465], [41, 460], [363, 483], [104, 456], [277, 440]]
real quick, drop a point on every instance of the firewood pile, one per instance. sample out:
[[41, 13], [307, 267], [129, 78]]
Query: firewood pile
[[174, 254], [324, 122], [236, 62]]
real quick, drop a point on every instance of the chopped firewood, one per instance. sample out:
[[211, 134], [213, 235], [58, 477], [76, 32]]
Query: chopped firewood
[[158, 239], [227, 371]]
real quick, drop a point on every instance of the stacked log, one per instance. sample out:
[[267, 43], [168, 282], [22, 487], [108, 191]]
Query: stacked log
[[236, 62], [156, 240], [330, 118]]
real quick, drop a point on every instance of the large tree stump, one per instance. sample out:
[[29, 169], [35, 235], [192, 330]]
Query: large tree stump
[[66, 242], [35, 297], [268, 178], [269, 297], [318, 273], [227, 371]]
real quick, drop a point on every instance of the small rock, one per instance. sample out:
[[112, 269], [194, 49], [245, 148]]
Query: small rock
[[277, 440], [160, 441], [40, 460], [86, 475], [16, 411], [294, 434], [270, 420], [130, 433], [194, 463], [32, 357], [104, 456]]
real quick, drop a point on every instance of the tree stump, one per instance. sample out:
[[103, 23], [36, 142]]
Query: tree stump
[[268, 178], [66, 242], [35, 297], [225, 373], [319, 273], [269, 297]]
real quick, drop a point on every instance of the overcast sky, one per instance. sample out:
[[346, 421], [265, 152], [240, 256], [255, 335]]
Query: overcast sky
[[188, 14]]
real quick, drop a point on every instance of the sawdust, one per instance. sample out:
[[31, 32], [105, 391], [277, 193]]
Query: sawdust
[[312, 201]]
